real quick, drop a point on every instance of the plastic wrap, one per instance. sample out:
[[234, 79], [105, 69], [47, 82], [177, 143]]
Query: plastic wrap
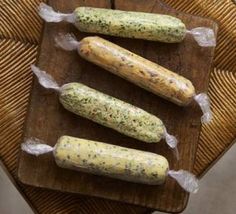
[[129, 122], [185, 179], [204, 102], [172, 142], [67, 42], [36, 147], [49, 15], [204, 36], [112, 161], [45, 79]]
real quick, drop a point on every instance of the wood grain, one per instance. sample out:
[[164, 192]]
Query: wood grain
[[47, 120]]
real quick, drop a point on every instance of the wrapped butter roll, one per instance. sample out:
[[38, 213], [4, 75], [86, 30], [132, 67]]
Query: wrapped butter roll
[[139, 25], [108, 111], [110, 160], [138, 70]]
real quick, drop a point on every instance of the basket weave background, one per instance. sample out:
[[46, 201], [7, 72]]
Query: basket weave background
[[20, 29]]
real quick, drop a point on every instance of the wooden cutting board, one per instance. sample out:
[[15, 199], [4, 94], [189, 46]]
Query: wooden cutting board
[[48, 120]]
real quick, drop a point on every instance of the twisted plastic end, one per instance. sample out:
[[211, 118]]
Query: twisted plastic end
[[67, 42], [45, 79], [185, 179], [172, 142], [204, 36], [204, 103], [35, 147], [49, 15]]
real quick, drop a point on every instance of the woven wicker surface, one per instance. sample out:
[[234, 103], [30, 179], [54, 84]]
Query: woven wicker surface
[[20, 29]]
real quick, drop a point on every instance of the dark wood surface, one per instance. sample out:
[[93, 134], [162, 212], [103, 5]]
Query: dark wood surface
[[48, 120]]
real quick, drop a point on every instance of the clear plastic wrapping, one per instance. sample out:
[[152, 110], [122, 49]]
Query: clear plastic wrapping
[[109, 153], [172, 142], [36, 147], [49, 15], [204, 102], [67, 42], [45, 79], [185, 179], [204, 36]]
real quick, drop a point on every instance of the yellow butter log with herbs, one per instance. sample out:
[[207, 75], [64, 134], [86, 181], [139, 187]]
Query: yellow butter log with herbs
[[133, 68], [113, 161], [110, 160]]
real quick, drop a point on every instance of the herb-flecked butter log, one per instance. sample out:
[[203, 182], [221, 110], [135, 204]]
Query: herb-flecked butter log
[[111, 112], [110, 160], [140, 25], [137, 69]]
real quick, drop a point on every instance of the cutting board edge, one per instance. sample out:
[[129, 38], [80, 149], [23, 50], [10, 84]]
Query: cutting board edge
[[32, 184]]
